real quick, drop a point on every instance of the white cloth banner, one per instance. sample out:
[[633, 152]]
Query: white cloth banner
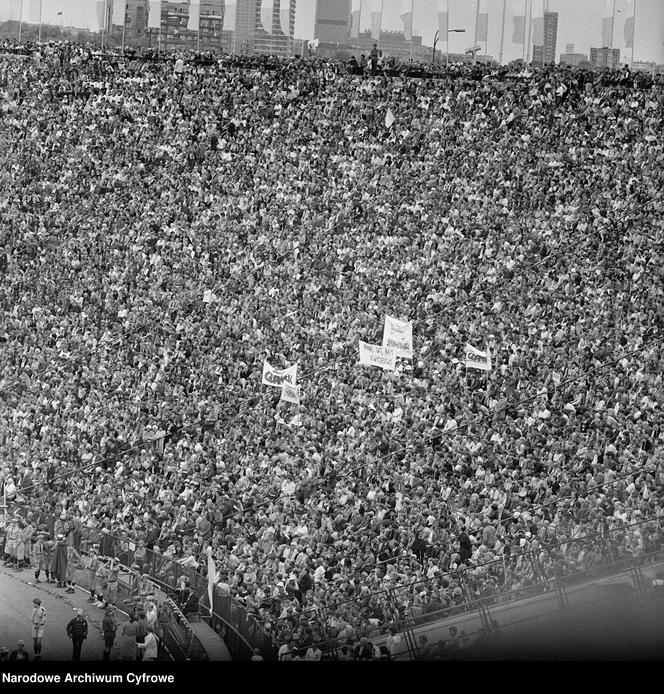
[[35, 11], [443, 20], [407, 18], [290, 393], [194, 21], [277, 377], [476, 359], [284, 17], [154, 18], [119, 10], [267, 10], [389, 118], [376, 19], [355, 13], [375, 355], [399, 335], [230, 15], [209, 297]]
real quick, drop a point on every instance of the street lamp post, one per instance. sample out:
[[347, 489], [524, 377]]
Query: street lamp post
[[447, 43]]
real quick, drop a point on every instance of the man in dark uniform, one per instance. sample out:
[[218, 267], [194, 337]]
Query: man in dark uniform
[[77, 630]]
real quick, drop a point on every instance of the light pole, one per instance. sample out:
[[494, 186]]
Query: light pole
[[447, 43]]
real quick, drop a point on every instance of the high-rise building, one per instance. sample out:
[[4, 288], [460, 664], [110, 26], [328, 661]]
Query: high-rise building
[[550, 36], [332, 20], [546, 54], [605, 57], [278, 42]]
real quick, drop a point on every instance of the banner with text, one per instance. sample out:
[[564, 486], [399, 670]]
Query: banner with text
[[290, 394], [375, 355], [476, 359], [399, 335], [277, 377]]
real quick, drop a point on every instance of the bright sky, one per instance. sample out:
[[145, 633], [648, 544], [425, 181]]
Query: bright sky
[[579, 21]]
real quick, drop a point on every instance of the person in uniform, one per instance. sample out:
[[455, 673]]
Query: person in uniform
[[73, 562], [92, 566], [38, 621], [109, 627], [59, 563], [111, 592]]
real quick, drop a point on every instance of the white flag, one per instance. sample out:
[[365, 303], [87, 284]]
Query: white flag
[[356, 12], [154, 18], [389, 118], [290, 393], [407, 18], [277, 377], [376, 355], [194, 21], [376, 18], [443, 17], [119, 9], [267, 10], [284, 17], [476, 359], [399, 335], [230, 15]]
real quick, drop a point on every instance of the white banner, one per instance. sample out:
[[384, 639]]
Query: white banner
[[194, 21], [154, 16], [476, 359], [375, 355], [267, 8], [119, 11], [399, 335], [276, 377], [290, 394]]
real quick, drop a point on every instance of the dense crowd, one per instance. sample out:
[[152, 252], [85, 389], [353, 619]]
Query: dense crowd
[[163, 234]]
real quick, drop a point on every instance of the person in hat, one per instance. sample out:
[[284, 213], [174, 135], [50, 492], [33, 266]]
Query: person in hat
[[38, 622], [38, 554], [59, 563], [11, 541], [20, 545], [101, 582], [19, 653], [111, 591], [77, 631], [92, 564], [73, 562]]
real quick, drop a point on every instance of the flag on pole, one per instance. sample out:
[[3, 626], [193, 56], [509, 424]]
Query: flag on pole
[[230, 15], [443, 19], [154, 18], [376, 18], [34, 11], [519, 33], [407, 18], [629, 32], [102, 17], [212, 576], [267, 11], [194, 21], [607, 24], [389, 118], [284, 17], [119, 10], [355, 13], [482, 26]]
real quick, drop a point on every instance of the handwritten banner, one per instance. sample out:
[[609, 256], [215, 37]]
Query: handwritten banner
[[476, 359], [399, 335], [290, 394], [375, 355], [277, 378]]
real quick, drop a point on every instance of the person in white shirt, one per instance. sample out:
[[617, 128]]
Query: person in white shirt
[[150, 645]]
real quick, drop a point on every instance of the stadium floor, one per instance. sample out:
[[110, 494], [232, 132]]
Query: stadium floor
[[17, 590]]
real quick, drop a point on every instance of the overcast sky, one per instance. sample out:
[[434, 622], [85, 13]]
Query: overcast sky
[[579, 22]]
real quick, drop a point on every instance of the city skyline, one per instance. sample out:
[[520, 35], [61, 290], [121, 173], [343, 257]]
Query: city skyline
[[579, 22]]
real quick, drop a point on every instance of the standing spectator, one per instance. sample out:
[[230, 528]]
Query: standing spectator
[[109, 627], [126, 639], [59, 561], [150, 646], [77, 630]]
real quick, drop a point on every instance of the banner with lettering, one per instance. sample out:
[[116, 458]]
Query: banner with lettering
[[376, 355], [399, 335], [277, 377], [290, 394], [476, 359]]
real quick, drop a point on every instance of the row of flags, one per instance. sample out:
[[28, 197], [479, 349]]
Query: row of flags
[[397, 344], [482, 21]]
